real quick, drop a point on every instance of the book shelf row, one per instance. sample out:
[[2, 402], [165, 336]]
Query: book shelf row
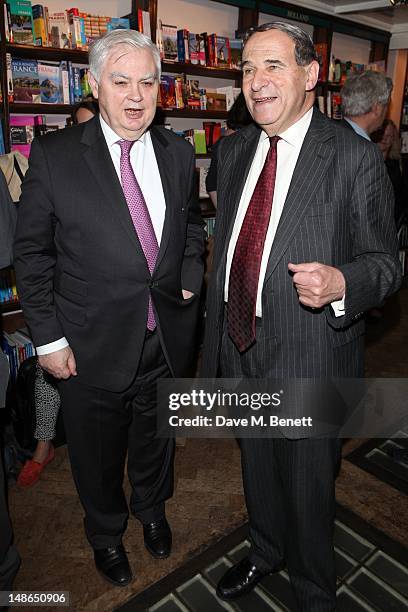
[[77, 55], [27, 23], [17, 347], [66, 109]]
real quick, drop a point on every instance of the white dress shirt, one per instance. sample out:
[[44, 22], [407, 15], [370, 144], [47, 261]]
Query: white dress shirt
[[288, 149], [144, 164]]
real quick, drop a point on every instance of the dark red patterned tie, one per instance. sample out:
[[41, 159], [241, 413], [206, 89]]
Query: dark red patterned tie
[[246, 262]]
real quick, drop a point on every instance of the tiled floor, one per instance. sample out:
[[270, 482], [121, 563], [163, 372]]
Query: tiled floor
[[368, 579], [387, 460]]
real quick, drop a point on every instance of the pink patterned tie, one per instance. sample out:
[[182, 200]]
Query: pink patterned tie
[[140, 216]]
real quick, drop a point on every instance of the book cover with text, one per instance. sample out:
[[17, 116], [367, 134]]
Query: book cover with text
[[169, 35], [21, 21], [50, 84], [26, 83]]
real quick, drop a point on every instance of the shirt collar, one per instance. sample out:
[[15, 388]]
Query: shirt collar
[[112, 138], [295, 134], [358, 129]]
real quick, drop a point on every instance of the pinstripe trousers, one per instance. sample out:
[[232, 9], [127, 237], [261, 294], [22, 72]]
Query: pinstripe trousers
[[290, 497]]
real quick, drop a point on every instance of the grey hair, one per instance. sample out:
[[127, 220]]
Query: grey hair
[[102, 47], [362, 91], [305, 52]]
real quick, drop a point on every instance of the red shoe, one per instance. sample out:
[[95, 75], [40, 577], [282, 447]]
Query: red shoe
[[31, 471]]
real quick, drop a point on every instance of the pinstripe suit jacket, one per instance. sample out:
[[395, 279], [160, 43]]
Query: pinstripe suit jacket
[[338, 211]]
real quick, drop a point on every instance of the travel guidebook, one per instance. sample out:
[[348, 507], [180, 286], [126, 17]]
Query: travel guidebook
[[50, 84], [26, 83], [21, 21]]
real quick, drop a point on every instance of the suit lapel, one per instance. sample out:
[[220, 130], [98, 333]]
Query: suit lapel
[[314, 159], [235, 168], [164, 163], [99, 161]]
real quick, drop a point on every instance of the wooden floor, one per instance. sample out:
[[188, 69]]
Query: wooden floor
[[208, 500]]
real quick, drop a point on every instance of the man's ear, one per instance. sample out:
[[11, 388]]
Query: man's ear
[[93, 85], [312, 75], [377, 109]]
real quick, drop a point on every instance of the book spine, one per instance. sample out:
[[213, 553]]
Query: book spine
[[228, 57], [201, 50], [211, 50], [179, 92], [77, 84], [47, 29], [204, 37], [75, 29], [71, 83], [7, 24], [181, 51], [40, 26], [146, 23], [85, 86], [64, 80], [10, 86], [140, 20], [159, 38]]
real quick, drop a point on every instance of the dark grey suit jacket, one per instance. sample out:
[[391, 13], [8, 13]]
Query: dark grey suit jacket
[[81, 272], [8, 216], [338, 211]]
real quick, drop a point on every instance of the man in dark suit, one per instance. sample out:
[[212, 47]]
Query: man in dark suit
[[108, 256], [9, 557], [305, 243]]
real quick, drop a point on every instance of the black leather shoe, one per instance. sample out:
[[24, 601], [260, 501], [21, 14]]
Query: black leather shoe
[[157, 538], [113, 564], [240, 580]]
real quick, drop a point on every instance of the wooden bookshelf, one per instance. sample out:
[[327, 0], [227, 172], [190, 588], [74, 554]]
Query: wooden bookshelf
[[6, 307], [204, 71], [12, 321], [66, 109], [81, 57], [188, 113], [40, 109], [47, 53]]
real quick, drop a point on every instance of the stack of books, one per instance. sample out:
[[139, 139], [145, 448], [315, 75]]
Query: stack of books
[[203, 49], [40, 82]]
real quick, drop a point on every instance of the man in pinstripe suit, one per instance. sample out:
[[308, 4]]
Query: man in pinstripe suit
[[328, 253]]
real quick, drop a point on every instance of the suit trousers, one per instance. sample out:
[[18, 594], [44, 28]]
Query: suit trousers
[[101, 428], [290, 497]]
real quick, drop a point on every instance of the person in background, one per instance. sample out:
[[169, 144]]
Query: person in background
[[14, 167], [109, 264], [365, 98], [9, 557], [388, 140], [47, 404], [238, 117], [305, 243], [84, 111]]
